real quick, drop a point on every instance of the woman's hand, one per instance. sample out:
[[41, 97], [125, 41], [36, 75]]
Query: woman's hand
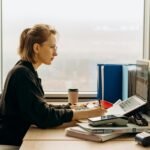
[[88, 113], [97, 111]]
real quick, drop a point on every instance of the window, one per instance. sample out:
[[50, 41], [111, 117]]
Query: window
[[90, 32]]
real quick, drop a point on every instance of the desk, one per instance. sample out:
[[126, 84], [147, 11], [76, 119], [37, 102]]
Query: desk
[[54, 139], [81, 145], [57, 133]]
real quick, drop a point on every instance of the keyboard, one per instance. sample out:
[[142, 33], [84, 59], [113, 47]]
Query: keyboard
[[85, 106]]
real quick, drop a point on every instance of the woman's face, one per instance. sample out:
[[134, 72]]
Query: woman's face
[[47, 51]]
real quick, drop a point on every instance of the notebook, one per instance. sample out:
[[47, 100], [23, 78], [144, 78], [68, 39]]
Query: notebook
[[83, 134], [129, 128], [141, 94]]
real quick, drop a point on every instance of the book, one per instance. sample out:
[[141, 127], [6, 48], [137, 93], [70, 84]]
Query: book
[[100, 82], [109, 85], [80, 133], [130, 128], [143, 81], [131, 80], [128, 80], [108, 120]]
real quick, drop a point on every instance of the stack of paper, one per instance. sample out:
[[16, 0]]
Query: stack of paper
[[101, 134], [83, 134], [130, 128]]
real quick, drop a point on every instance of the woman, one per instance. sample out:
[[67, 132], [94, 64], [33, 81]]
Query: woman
[[22, 102]]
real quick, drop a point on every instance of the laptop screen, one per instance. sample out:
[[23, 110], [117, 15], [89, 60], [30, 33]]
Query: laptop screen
[[142, 69]]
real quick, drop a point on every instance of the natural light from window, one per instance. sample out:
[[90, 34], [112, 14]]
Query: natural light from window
[[90, 32]]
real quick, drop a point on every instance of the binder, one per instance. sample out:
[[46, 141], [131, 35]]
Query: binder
[[143, 76], [128, 80], [100, 85], [109, 82], [124, 82]]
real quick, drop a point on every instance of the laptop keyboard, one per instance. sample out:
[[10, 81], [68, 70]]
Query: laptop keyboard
[[129, 104]]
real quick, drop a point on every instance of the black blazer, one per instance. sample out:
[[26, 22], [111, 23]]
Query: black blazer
[[22, 104]]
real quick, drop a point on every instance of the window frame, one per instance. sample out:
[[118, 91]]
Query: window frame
[[1, 58], [146, 34]]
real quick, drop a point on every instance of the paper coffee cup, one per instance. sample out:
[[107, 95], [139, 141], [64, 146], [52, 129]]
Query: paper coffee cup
[[73, 96]]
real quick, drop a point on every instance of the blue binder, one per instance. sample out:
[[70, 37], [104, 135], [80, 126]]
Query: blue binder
[[109, 82], [99, 83]]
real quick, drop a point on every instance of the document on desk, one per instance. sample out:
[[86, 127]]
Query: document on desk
[[126, 106], [130, 128], [83, 134], [114, 109]]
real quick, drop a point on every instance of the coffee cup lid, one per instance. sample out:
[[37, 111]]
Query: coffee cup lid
[[73, 90]]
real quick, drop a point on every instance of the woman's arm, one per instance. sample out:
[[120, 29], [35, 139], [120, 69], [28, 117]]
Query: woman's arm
[[64, 106], [32, 106]]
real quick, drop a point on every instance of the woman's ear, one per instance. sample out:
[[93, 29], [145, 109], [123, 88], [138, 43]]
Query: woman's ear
[[36, 48]]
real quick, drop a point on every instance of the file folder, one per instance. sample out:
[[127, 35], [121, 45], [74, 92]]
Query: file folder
[[109, 82], [128, 80]]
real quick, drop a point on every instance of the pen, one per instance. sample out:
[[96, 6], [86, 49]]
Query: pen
[[101, 103]]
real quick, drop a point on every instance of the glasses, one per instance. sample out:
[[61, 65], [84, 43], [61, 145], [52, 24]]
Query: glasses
[[52, 47]]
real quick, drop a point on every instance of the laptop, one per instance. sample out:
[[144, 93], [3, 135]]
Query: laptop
[[141, 92]]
